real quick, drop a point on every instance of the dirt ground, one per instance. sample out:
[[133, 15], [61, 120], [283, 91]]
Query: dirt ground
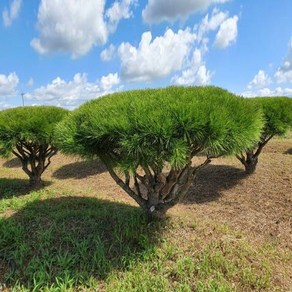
[[259, 204]]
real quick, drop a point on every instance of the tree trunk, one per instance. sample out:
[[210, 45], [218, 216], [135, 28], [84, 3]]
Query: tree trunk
[[251, 156], [35, 181], [250, 165], [155, 213], [154, 192], [35, 172], [35, 159], [249, 160]]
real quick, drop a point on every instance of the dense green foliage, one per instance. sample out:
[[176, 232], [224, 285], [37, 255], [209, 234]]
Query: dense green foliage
[[277, 121], [149, 128], [277, 113], [28, 133], [31, 124], [157, 125]]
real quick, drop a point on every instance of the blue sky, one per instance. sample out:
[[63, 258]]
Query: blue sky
[[65, 52]]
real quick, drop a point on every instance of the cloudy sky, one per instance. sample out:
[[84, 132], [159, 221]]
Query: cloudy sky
[[65, 52]]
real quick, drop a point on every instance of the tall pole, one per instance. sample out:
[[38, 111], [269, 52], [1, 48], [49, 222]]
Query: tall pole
[[22, 95]]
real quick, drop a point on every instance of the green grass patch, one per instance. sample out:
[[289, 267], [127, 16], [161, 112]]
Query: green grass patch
[[218, 266], [70, 241]]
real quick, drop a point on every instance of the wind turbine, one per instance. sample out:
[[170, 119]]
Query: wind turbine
[[22, 95]]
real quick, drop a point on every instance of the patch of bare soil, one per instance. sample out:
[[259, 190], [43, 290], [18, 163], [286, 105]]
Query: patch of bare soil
[[259, 204]]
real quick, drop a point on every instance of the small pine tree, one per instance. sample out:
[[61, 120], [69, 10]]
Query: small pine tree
[[27, 132], [278, 120]]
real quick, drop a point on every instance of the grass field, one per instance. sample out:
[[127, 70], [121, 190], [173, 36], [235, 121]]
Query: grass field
[[81, 232]]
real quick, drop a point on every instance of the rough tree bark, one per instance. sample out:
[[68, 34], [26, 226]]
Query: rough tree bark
[[34, 159], [251, 157], [249, 160], [154, 191]]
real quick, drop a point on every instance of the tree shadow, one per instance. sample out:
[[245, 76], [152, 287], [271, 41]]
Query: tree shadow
[[289, 151], [211, 181], [12, 163], [14, 187], [75, 238], [80, 169]]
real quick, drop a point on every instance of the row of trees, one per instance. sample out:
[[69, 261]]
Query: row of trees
[[147, 139]]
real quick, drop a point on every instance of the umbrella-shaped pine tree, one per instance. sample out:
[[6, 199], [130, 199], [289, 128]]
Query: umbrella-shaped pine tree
[[137, 133], [278, 120], [28, 133]]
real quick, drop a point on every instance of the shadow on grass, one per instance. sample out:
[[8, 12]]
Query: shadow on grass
[[289, 151], [12, 163], [66, 242], [14, 187], [211, 181], [80, 169]]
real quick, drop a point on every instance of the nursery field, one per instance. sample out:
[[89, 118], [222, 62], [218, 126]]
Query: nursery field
[[81, 232]]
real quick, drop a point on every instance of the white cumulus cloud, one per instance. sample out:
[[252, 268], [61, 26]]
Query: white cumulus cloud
[[8, 84], [227, 33], [107, 54], [264, 85], [169, 10], [118, 11], [260, 80], [284, 73], [75, 26], [283, 76], [196, 74], [155, 58], [9, 15], [109, 81], [72, 93], [181, 53], [278, 91], [211, 23]]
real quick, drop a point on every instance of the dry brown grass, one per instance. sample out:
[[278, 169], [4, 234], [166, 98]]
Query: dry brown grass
[[259, 204]]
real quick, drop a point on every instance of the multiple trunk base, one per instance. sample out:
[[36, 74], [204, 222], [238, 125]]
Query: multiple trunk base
[[251, 157], [34, 159], [249, 160], [153, 190]]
